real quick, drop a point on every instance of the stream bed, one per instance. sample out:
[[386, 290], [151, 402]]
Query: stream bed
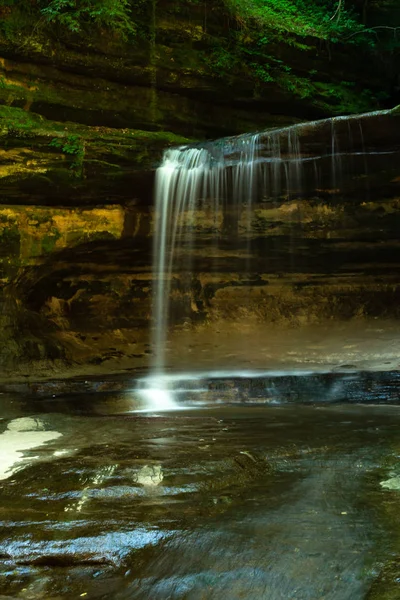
[[221, 501]]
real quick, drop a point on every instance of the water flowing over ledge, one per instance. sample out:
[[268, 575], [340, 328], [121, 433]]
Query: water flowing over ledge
[[225, 179], [320, 255]]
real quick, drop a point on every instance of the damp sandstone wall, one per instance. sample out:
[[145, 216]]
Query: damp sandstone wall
[[76, 280], [83, 124]]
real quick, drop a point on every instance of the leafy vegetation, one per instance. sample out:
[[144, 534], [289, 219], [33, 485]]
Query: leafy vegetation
[[317, 18], [263, 28], [71, 15], [330, 20], [237, 37], [76, 14], [333, 20], [72, 145]]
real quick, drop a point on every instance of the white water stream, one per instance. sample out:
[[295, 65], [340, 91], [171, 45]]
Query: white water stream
[[226, 177]]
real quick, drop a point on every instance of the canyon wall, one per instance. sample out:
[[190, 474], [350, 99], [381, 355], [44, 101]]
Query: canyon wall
[[77, 280]]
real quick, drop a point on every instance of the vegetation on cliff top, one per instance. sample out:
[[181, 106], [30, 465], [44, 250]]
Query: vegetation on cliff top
[[333, 20], [286, 43], [317, 18]]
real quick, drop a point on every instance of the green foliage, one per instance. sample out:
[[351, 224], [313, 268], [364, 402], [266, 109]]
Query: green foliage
[[74, 146], [221, 59], [77, 14], [316, 18], [17, 16], [262, 73], [252, 43], [297, 86], [264, 27]]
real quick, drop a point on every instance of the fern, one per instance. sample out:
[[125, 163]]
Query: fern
[[75, 15]]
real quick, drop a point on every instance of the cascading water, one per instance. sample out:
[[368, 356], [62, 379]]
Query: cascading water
[[187, 178], [227, 177]]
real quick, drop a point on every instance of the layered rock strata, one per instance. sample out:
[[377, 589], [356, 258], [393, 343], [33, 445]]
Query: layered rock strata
[[321, 260]]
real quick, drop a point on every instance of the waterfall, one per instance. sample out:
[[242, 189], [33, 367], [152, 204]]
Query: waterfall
[[228, 176], [188, 177]]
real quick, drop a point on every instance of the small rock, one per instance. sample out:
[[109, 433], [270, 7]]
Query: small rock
[[26, 424], [391, 484], [150, 475]]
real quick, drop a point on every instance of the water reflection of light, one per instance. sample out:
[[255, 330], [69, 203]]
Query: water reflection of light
[[160, 393], [189, 390], [158, 399], [21, 434], [111, 546], [171, 379], [157, 394]]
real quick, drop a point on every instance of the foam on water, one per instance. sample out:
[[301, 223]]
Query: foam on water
[[162, 393], [157, 396]]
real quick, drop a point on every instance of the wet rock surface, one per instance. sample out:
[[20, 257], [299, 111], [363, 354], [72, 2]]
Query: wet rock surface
[[318, 260], [46, 162], [278, 501], [229, 387]]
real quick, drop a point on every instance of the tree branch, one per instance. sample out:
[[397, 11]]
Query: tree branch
[[337, 11], [372, 30]]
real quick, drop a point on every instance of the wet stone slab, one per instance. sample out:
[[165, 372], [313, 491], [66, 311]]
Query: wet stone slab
[[278, 501], [114, 393]]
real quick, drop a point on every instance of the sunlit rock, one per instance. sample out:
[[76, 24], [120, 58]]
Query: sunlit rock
[[26, 424], [21, 435], [150, 475], [393, 483]]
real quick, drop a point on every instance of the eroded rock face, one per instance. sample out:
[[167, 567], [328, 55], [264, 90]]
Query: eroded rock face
[[177, 80], [52, 163], [78, 281], [193, 70]]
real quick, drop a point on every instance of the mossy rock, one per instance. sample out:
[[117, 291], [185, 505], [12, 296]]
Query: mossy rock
[[51, 162]]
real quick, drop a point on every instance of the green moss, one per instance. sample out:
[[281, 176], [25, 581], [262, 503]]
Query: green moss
[[49, 241], [81, 146], [102, 164], [18, 120], [9, 237], [342, 98]]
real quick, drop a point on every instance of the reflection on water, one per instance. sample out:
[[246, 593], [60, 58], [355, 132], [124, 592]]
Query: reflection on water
[[270, 502], [156, 393], [174, 391], [207, 388], [21, 435]]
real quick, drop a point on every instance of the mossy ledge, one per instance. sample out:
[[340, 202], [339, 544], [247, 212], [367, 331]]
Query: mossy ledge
[[54, 163]]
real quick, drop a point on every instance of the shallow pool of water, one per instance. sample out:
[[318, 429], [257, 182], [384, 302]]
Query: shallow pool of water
[[272, 502]]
